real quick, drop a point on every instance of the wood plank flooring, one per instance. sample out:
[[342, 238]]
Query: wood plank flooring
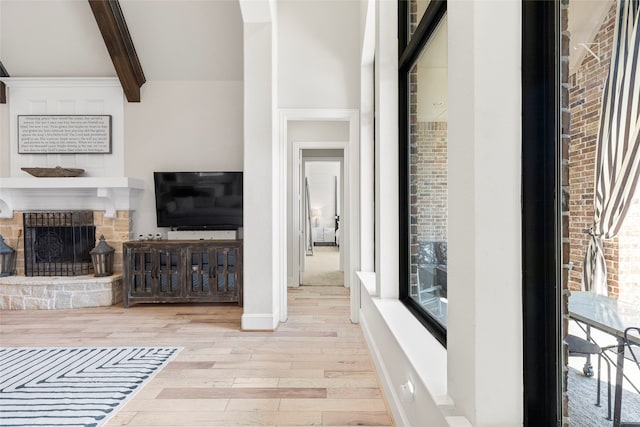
[[314, 370]]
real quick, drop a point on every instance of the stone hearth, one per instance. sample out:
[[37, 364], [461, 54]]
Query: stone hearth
[[51, 293], [112, 201]]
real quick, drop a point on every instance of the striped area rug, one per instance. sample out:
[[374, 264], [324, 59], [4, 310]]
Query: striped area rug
[[73, 386]]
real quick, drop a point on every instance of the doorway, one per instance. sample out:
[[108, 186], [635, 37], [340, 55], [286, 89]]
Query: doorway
[[320, 190], [287, 198], [321, 210]]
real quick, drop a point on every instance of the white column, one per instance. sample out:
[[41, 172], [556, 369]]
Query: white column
[[386, 151], [261, 261], [367, 192], [484, 338]]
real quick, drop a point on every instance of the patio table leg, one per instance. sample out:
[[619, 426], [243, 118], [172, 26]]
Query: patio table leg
[[617, 401], [587, 369]]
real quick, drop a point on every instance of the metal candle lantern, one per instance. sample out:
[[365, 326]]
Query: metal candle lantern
[[6, 258], [102, 258]]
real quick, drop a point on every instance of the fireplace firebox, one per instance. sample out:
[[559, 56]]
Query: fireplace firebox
[[58, 243]]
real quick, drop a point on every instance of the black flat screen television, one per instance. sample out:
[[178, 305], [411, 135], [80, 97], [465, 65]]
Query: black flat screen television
[[199, 200]]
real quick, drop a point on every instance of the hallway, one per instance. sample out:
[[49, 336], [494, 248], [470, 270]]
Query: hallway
[[314, 370], [322, 268]]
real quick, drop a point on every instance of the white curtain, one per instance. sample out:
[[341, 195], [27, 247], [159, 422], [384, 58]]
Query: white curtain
[[618, 144]]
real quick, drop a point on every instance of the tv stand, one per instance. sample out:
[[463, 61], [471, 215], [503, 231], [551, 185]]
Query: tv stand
[[182, 271]]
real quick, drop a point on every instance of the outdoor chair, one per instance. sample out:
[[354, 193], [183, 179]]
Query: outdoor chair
[[632, 352], [582, 347], [428, 291], [432, 257]]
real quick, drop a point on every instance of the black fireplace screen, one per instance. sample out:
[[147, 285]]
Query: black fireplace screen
[[58, 243]]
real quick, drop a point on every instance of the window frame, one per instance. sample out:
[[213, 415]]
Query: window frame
[[541, 214], [409, 51]]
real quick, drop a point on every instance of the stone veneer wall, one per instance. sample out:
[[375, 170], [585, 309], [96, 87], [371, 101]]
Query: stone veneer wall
[[58, 292], [622, 253], [116, 231], [61, 292]]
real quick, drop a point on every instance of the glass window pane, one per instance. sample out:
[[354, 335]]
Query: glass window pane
[[417, 9], [597, 310], [428, 176]]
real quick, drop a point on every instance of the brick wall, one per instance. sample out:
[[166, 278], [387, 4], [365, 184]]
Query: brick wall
[[427, 172], [429, 180], [585, 100], [629, 255], [622, 254], [427, 187], [116, 231]]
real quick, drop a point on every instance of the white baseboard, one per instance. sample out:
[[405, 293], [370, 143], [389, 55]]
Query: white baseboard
[[393, 399], [258, 322]]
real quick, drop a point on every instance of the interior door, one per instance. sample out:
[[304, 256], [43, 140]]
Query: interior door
[[302, 222]]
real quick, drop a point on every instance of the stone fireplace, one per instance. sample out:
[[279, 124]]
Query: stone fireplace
[[103, 189], [52, 221]]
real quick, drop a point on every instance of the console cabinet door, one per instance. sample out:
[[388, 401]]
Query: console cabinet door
[[199, 272], [139, 272], [153, 273], [213, 271], [168, 272], [228, 269]]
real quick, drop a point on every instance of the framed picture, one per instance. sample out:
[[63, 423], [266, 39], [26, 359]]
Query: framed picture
[[64, 134]]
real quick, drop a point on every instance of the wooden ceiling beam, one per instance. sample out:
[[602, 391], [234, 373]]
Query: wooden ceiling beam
[[115, 33], [3, 87]]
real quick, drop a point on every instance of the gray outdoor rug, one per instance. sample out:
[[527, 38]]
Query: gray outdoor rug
[[582, 398], [73, 386]]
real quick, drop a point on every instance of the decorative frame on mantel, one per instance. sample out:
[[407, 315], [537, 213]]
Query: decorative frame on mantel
[[64, 134], [68, 96]]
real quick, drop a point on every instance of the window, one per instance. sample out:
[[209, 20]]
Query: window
[[423, 162], [541, 263]]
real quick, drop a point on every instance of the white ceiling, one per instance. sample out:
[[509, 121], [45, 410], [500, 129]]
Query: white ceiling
[[174, 39], [187, 39], [585, 19]]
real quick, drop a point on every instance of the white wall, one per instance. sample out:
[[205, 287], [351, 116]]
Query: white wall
[[324, 190], [102, 96], [318, 61], [367, 131], [482, 366], [178, 126], [4, 140], [318, 68], [4, 124], [182, 126]]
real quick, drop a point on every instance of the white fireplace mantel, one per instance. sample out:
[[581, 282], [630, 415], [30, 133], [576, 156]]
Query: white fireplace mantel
[[91, 193]]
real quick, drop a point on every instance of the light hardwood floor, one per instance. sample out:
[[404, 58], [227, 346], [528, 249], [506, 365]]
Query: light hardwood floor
[[314, 370]]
